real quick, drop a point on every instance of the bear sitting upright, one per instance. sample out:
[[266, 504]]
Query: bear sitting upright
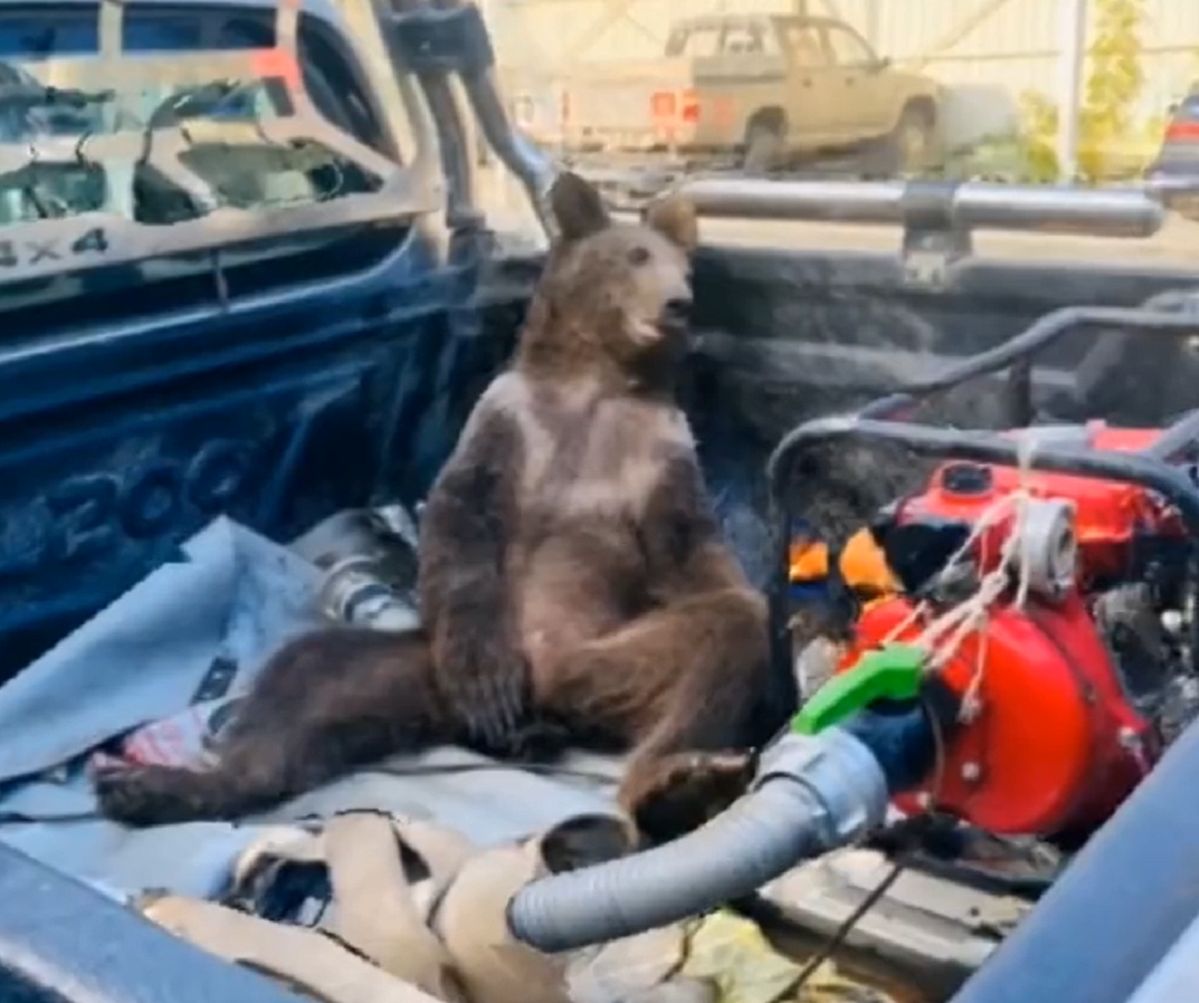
[[572, 574]]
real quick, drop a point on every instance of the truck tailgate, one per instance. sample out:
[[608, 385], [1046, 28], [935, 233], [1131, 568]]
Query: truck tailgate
[[632, 104]]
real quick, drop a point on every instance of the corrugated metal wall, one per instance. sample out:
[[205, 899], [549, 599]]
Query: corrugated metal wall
[[988, 51]]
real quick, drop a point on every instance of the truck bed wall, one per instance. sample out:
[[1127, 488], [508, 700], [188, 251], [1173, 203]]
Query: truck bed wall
[[127, 424]]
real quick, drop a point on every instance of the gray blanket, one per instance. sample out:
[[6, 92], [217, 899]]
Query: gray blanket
[[196, 631]]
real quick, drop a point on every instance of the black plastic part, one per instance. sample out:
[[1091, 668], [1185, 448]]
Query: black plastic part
[[61, 942], [1123, 902], [449, 40], [903, 736], [967, 479], [916, 551]]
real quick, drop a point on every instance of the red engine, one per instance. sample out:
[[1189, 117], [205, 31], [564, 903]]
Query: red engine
[[1078, 687]]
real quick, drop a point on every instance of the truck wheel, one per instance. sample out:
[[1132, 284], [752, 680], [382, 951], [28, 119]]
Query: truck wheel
[[763, 148], [913, 143]]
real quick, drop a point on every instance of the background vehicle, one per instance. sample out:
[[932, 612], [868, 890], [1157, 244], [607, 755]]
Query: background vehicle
[[765, 88], [1175, 172]]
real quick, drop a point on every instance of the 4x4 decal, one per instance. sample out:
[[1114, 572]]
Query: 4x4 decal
[[15, 254]]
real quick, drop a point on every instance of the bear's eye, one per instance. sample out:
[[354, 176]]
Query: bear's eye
[[638, 256]]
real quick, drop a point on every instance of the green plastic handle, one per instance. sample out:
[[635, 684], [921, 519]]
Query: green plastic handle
[[893, 672]]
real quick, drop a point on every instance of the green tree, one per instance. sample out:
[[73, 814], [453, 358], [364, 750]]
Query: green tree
[[1113, 86]]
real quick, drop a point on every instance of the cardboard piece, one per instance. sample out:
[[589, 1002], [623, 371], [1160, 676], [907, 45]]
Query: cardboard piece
[[416, 906], [376, 912], [303, 959]]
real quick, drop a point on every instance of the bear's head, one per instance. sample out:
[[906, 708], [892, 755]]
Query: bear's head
[[614, 298]]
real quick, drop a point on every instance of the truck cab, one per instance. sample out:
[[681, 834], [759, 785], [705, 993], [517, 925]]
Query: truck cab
[[804, 84]]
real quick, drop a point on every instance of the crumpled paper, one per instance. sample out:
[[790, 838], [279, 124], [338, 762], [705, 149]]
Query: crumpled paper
[[720, 958], [732, 954]]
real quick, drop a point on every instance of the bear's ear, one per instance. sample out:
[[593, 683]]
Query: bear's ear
[[578, 207], [674, 217]]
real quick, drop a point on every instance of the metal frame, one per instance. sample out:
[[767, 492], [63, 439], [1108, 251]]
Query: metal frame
[[406, 191], [1111, 212]]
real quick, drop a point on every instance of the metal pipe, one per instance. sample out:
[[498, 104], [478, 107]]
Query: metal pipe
[[477, 72], [1114, 212], [989, 447], [531, 165], [445, 111], [461, 202], [522, 157], [1096, 212], [814, 201], [1047, 330]]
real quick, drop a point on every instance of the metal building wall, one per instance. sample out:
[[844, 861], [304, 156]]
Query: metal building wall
[[990, 50]]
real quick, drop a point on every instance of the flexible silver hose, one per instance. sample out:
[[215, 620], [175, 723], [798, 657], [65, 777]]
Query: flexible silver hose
[[813, 795]]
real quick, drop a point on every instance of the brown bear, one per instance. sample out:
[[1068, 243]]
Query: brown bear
[[572, 575]]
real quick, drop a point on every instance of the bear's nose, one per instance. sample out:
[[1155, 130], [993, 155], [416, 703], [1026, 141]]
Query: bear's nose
[[677, 312]]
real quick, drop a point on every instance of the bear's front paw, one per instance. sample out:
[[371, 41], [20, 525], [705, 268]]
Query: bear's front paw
[[127, 793], [673, 795]]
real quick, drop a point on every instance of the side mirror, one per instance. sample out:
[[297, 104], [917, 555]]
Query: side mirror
[[880, 64]]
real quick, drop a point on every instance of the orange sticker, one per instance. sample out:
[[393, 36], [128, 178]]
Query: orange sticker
[[663, 105], [276, 63]]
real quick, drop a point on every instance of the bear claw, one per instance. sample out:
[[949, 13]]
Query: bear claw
[[689, 789], [125, 793]]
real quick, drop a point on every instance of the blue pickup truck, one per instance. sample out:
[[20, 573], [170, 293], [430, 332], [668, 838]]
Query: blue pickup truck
[[245, 274]]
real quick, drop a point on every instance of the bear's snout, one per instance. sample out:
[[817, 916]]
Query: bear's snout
[[676, 315]]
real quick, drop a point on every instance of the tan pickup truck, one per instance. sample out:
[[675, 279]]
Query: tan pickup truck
[[763, 87]]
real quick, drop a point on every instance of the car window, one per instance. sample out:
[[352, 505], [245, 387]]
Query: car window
[[847, 48], [35, 34], [804, 43], [249, 174], [742, 40], [160, 28], [696, 43]]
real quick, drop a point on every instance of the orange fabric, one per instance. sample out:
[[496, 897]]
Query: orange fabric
[[809, 560], [863, 564]]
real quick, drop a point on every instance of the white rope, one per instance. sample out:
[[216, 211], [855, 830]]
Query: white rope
[[943, 637]]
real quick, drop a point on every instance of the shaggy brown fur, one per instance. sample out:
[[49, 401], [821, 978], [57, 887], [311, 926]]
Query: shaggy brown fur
[[572, 573]]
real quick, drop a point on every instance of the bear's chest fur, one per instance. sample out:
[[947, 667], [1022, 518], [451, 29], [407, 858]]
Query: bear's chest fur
[[590, 456], [589, 464]]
